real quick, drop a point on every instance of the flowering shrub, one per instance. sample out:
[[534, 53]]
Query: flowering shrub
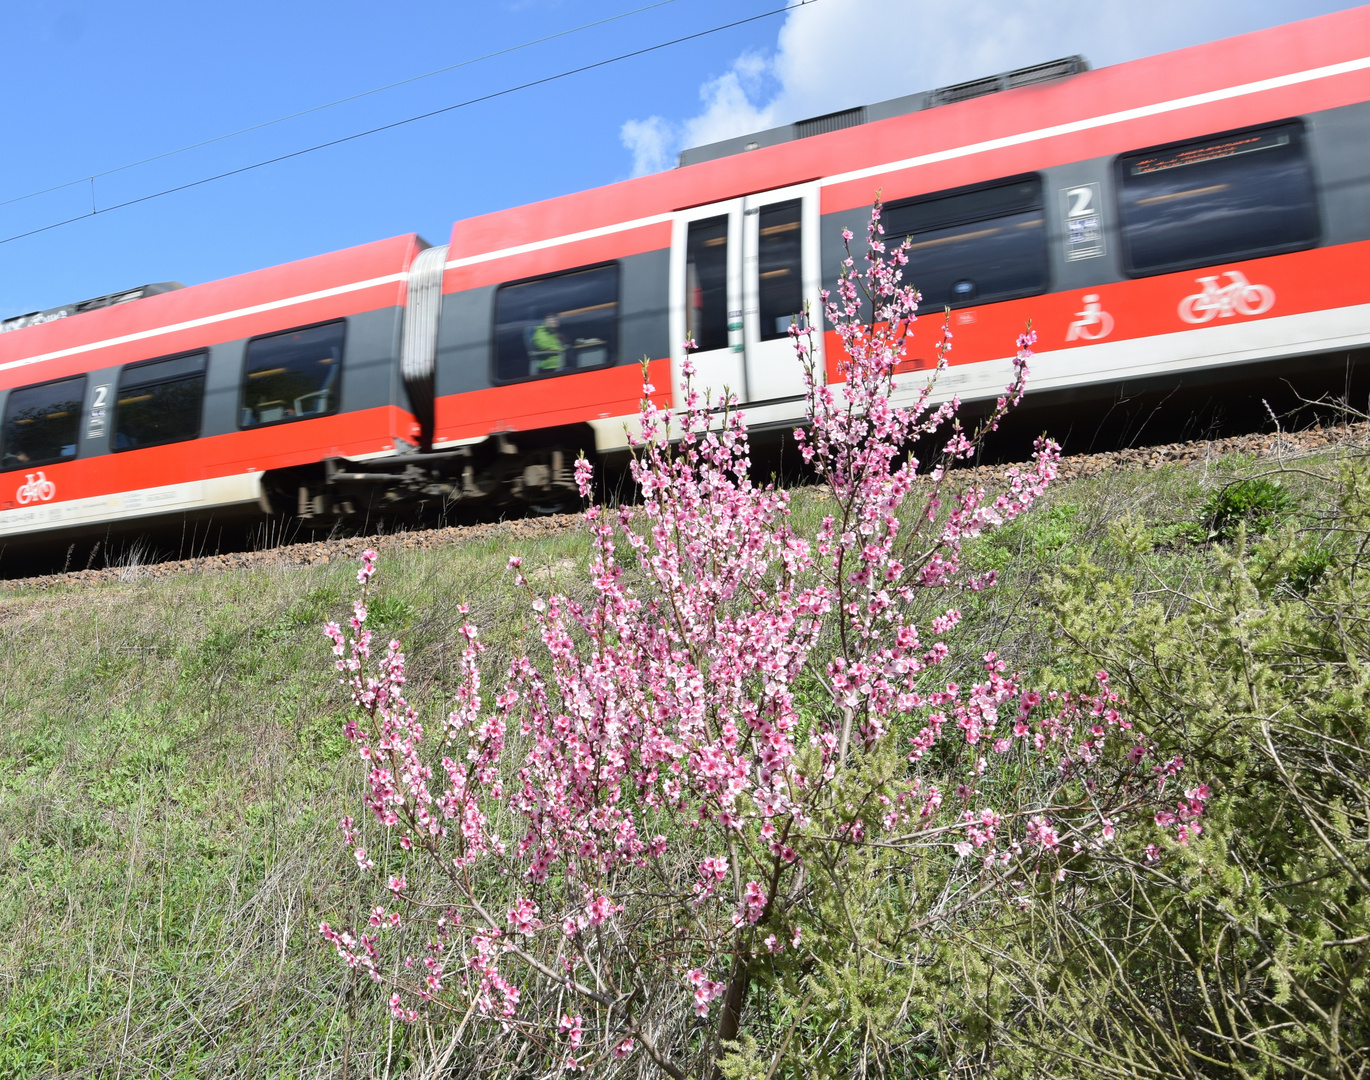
[[659, 807]]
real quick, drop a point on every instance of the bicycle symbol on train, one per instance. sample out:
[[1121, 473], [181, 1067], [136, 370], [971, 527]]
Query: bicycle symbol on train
[[35, 488], [1237, 297]]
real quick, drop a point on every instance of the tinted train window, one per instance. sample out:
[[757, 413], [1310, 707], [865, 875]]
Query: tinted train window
[[706, 283], [973, 247], [43, 423], [1226, 197], [779, 265], [556, 324], [159, 402], [292, 376]]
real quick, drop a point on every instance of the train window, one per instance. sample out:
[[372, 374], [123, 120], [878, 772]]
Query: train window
[[292, 376], [706, 283], [159, 402], [779, 266], [556, 325], [43, 423], [1231, 196], [973, 246]]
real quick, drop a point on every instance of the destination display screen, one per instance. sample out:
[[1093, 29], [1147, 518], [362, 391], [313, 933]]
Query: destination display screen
[[1176, 158]]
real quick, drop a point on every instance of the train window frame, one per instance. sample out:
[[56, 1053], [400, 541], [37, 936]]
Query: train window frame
[[698, 328], [337, 385], [1043, 263], [119, 388], [1120, 170], [84, 378], [613, 352], [774, 316]]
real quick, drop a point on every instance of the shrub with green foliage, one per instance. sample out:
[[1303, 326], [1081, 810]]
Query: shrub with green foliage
[[1247, 953]]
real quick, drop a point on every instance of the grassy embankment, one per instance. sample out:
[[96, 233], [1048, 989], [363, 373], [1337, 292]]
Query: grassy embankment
[[172, 772]]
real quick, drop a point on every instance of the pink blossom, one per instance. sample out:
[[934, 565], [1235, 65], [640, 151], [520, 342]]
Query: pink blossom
[[1040, 831], [523, 917], [572, 1028], [706, 991], [715, 683]]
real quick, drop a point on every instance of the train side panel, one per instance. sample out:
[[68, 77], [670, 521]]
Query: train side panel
[[362, 290], [1070, 134], [471, 405]]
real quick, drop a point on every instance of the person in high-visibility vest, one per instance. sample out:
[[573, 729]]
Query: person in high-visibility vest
[[547, 347]]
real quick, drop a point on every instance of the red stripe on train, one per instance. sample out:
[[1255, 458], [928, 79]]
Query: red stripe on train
[[570, 399], [1316, 280], [212, 300], [304, 442], [547, 260]]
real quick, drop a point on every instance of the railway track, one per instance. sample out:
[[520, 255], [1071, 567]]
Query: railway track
[[1276, 448]]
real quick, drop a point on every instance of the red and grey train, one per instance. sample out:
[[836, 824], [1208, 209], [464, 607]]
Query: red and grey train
[[1201, 211]]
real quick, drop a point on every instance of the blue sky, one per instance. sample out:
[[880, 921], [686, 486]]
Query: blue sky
[[87, 87]]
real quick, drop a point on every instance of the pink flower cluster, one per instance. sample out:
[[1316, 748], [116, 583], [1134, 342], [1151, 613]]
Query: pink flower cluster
[[724, 676], [706, 991]]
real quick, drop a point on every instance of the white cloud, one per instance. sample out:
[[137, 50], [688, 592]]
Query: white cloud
[[652, 142], [729, 107], [836, 54], [729, 110]]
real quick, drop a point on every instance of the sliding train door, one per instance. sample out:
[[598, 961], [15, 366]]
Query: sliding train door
[[742, 272], [706, 300]]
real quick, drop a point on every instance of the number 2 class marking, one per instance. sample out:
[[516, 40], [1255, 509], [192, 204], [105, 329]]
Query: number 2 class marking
[[1082, 200]]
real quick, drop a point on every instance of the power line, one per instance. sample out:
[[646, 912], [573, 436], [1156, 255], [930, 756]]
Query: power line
[[400, 123], [328, 105]]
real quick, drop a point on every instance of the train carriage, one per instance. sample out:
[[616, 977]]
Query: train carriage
[[203, 400], [1195, 215]]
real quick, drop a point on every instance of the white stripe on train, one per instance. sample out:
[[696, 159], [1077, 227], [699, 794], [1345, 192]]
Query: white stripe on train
[[1190, 101], [1107, 362], [970, 149], [208, 320]]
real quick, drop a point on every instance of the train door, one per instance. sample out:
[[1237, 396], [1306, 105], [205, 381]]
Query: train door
[[741, 272], [706, 299]]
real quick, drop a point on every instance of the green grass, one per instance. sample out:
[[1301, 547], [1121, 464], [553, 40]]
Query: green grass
[[172, 772]]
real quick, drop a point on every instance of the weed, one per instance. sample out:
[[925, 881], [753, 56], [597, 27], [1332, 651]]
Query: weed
[[1310, 566], [390, 612], [1259, 503]]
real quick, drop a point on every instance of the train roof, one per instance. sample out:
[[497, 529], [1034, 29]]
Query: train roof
[[1083, 113], [883, 110], [308, 290], [124, 296]]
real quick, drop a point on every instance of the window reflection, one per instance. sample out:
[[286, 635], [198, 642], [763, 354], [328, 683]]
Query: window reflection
[[779, 267], [43, 423], [292, 376], [558, 324], [159, 402], [1231, 196], [973, 247], [706, 283]]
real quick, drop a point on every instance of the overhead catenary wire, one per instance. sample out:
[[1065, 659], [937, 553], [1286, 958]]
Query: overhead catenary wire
[[494, 94], [331, 104]]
